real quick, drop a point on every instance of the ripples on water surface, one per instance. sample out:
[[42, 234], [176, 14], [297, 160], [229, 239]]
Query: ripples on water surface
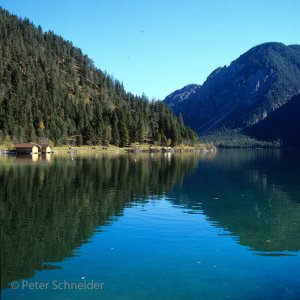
[[185, 226]]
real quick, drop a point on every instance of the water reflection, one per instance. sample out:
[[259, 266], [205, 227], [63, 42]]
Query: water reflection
[[47, 211], [52, 206], [254, 195], [25, 158]]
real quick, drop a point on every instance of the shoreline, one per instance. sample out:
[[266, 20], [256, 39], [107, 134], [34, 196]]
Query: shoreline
[[145, 148]]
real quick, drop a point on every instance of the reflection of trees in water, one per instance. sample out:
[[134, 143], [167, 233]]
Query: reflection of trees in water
[[253, 194], [48, 210]]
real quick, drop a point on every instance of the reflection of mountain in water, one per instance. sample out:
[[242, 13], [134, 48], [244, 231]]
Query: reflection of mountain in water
[[49, 210], [252, 194]]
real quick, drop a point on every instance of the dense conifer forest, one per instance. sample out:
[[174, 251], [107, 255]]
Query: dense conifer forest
[[51, 91]]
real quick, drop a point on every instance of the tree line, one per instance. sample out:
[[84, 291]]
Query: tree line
[[50, 90]]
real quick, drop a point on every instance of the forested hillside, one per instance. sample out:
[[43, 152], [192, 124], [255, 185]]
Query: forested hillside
[[50, 90]]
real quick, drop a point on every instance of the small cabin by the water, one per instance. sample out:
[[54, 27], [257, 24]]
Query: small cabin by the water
[[45, 148], [27, 148]]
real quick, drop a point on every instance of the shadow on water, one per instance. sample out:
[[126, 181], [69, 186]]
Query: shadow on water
[[51, 206], [254, 195]]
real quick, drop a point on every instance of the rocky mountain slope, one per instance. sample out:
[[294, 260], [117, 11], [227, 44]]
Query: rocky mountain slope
[[244, 93]]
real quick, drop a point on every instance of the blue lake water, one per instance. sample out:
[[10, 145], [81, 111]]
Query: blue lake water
[[186, 226]]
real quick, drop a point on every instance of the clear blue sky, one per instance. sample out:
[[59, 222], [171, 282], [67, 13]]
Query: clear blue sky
[[158, 46]]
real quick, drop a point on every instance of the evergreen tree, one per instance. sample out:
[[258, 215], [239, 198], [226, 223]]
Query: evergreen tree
[[107, 135], [115, 131], [140, 131], [174, 133], [124, 134]]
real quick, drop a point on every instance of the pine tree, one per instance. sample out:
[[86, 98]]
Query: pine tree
[[174, 133], [115, 131], [107, 135], [140, 131], [124, 134], [180, 124]]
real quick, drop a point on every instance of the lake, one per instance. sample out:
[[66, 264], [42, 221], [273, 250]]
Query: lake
[[151, 226]]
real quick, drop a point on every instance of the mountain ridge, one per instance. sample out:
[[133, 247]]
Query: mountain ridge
[[242, 94]]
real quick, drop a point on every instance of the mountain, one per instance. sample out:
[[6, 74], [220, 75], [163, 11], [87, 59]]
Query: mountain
[[283, 124], [244, 93], [181, 95], [49, 89]]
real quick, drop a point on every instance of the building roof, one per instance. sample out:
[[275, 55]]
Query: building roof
[[26, 145]]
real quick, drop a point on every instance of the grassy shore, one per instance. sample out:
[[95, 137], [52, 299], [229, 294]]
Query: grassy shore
[[84, 149]]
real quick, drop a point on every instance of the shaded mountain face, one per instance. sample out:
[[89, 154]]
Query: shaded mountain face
[[247, 91], [283, 124]]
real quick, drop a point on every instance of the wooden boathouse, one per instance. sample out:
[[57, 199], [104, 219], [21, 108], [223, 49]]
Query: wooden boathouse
[[27, 148]]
